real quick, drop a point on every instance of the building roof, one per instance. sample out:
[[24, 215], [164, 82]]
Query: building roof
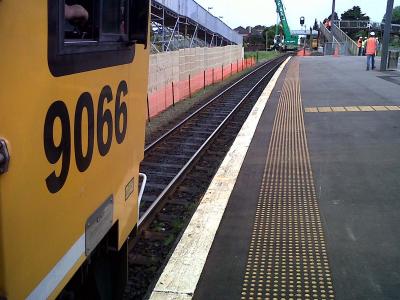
[[241, 30]]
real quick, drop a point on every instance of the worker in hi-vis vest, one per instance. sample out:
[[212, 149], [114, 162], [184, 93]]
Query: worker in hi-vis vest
[[370, 49], [359, 45]]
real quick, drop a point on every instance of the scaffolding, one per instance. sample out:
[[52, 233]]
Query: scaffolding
[[182, 24]]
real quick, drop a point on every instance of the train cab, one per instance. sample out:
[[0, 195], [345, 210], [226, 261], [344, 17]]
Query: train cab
[[72, 118]]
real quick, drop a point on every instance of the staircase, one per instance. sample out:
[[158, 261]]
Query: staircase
[[338, 39], [342, 37], [326, 33]]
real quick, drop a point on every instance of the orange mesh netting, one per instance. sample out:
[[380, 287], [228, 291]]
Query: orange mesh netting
[[174, 92]]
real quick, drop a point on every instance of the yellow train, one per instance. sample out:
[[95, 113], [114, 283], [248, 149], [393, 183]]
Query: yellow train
[[73, 78]]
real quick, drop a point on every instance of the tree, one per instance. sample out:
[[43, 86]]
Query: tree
[[269, 33], [396, 15], [315, 27], [336, 17], [354, 14]]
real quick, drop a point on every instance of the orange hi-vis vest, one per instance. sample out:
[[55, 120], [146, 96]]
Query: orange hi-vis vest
[[371, 46], [359, 43]]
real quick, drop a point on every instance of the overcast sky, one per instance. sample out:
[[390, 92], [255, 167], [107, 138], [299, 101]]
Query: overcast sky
[[263, 12]]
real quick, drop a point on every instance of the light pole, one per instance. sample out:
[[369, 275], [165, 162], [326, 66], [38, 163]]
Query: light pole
[[302, 24], [386, 34], [333, 13]]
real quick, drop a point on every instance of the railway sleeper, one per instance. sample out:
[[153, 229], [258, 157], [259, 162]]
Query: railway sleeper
[[205, 129], [170, 155], [143, 260], [187, 139], [210, 124], [168, 218], [179, 201], [155, 187], [155, 235], [161, 166], [179, 144], [195, 179], [214, 152], [157, 173]]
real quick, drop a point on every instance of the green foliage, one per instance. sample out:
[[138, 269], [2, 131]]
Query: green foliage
[[255, 40], [336, 17], [356, 33], [316, 26], [394, 42], [396, 15], [362, 33], [262, 55], [354, 14], [269, 33]]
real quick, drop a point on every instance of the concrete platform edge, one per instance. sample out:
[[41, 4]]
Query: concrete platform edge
[[181, 275]]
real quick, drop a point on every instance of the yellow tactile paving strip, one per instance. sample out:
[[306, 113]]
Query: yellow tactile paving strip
[[287, 256], [325, 109]]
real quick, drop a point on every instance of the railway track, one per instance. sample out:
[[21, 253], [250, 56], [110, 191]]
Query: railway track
[[180, 165], [170, 156]]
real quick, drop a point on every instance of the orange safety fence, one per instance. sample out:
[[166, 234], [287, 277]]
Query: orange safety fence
[[174, 92], [303, 52]]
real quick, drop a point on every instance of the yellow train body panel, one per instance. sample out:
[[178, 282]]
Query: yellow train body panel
[[38, 227]]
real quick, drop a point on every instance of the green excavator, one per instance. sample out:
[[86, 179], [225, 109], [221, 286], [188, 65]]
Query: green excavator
[[289, 41]]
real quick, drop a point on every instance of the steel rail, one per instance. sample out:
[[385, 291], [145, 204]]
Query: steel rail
[[196, 155], [180, 124]]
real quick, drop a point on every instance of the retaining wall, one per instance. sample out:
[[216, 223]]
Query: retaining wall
[[176, 75]]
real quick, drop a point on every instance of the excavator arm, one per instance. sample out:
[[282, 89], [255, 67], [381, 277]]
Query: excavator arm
[[290, 40]]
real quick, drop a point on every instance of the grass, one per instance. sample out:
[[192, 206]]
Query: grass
[[262, 55]]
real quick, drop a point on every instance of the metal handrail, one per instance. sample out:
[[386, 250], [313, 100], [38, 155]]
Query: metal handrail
[[327, 34], [344, 38], [142, 186], [360, 24]]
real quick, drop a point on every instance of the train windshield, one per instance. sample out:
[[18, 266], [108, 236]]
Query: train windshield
[[88, 20]]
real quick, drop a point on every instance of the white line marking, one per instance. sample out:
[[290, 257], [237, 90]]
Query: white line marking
[[182, 273], [61, 269]]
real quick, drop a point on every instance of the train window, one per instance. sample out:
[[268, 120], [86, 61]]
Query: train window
[[78, 20], [114, 17], [87, 35]]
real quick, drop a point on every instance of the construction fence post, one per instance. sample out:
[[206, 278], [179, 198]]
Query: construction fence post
[[190, 89], [148, 109], [204, 80], [173, 94], [222, 68]]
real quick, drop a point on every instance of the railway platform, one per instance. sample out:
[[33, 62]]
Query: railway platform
[[305, 204]]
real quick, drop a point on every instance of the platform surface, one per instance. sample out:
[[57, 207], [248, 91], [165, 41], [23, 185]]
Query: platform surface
[[356, 161], [314, 212]]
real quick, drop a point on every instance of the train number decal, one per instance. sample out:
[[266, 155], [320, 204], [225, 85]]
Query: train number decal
[[104, 118]]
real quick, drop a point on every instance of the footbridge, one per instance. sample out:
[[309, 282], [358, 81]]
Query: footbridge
[[377, 26], [337, 40]]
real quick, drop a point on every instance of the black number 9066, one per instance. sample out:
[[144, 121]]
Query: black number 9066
[[58, 110]]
